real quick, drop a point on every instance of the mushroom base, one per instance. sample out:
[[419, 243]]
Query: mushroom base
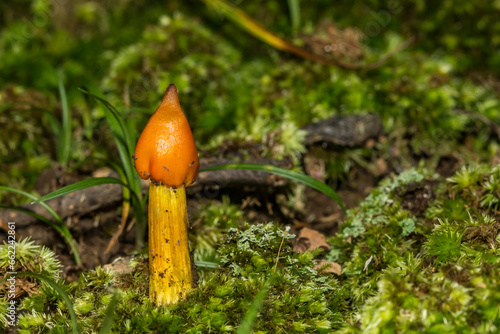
[[169, 261]]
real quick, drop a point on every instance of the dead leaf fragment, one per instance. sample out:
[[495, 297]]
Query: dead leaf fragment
[[332, 267], [309, 239], [119, 266], [22, 287]]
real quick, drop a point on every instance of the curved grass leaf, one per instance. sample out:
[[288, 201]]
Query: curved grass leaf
[[249, 319], [61, 229], [33, 197], [123, 132], [95, 181], [290, 174], [61, 292], [206, 264], [35, 215], [294, 8], [64, 137], [117, 118], [109, 315]]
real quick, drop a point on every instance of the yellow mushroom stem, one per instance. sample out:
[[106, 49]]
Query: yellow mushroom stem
[[170, 272]]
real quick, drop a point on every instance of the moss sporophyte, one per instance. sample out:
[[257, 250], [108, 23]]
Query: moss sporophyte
[[166, 154]]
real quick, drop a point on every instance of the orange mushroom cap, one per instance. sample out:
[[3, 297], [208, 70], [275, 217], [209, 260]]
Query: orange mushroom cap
[[166, 151]]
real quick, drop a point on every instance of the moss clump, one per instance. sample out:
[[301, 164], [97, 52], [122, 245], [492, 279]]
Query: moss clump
[[431, 274], [32, 257], [299, 298], [377, 234], [415, 298], [209, 225], [423, 266]]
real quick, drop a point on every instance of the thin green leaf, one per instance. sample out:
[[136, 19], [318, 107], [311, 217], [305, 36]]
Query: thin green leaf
[[123, 141], [61, 292], [292, 175], [110, 313], [84, 184], [123, 129], [37, 216], [294, 8], [206, 264], [249, 319], [54, 124], [59, 227], [33, 197], [64, 140]]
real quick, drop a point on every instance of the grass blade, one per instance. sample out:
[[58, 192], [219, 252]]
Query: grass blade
[[123, 133], [33, 197], [249, 319], [290, 174], [64, 139], [294, 8], [110, 313], [37, 216], [61, 292], [59, 227], [206, 264], [95, 181]]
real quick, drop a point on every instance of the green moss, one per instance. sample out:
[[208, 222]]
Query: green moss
[[298, 300], [413, 298], [402, 270]]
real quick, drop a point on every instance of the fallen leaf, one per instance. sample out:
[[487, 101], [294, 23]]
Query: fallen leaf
[[333, 267], [309, 239], [119, 266], [26, 286]]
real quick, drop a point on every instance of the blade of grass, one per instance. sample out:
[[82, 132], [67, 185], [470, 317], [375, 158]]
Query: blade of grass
[[34, 198], [249, 319], [294, 8], [95, 181], [109, 315], [64, 140], [292, 175], [62, 228], [61, 292], [37, 216], [206, 264], [121, 123], [122, 134]]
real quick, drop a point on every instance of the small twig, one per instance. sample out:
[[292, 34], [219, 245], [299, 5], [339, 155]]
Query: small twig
[[279, 251], [116, 236], [485, 120], [389, 54]]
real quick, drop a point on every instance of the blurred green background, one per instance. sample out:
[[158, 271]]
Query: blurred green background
[[235, 88]]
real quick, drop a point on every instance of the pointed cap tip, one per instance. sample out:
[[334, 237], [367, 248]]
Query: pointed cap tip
[[171, 94]]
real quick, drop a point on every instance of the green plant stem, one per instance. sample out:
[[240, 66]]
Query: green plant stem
[[64, 140]]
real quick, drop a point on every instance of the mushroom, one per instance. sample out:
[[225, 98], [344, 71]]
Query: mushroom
[[166, 154]]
